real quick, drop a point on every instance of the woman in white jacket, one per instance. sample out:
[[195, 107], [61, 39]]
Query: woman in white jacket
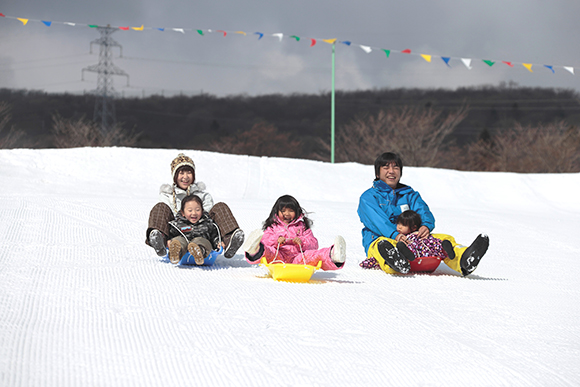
[[170, 197]]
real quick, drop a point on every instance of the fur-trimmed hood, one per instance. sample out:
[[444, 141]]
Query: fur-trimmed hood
[[172, 195]]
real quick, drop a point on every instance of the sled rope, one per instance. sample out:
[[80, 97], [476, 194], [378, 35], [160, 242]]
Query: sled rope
[[276, 256], [281, 261], [302, 252]]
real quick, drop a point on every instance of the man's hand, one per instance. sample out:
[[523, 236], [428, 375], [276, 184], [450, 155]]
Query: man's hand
[[423, 232], [401, 238]]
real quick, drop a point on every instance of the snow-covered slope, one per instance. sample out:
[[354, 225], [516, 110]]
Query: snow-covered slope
[[83, 301]]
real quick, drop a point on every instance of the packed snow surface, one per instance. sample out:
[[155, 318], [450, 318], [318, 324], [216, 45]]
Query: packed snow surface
[[84, 302]]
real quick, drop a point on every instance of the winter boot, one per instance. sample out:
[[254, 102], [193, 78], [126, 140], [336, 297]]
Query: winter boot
[[252, 246], [392, 257], [405, 251], [234, 243], [473, 254], [338, 253], [156, 241], [448, 248], [174, 251], [197, 252]]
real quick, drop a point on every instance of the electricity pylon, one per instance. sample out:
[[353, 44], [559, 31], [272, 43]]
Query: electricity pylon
[[105, 92]]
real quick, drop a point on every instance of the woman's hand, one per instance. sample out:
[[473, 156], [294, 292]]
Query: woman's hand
[[281, 240], [297, 241]]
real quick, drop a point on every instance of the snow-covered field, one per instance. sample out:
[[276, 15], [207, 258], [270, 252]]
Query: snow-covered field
[[84, 302]]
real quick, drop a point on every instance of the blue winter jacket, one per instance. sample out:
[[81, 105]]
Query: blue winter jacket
[[380, 206]]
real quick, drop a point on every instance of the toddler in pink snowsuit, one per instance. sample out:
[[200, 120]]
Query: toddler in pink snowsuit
[[287, 237]]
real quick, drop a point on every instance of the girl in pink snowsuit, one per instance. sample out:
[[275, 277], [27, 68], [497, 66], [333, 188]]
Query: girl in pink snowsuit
[[287, 237]]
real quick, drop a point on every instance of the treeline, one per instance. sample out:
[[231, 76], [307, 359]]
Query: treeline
[[430, 127]]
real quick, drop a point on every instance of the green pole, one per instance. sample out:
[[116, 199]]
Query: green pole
[[332, 110]]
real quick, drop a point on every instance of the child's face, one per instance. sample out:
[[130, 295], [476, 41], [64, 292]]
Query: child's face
[[184, 178], [192, 211], [287, 215], [405, 230]]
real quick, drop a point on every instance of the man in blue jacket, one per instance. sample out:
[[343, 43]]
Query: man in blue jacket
[[378, 210]]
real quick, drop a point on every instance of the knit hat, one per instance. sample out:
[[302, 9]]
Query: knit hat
[[181, 161]]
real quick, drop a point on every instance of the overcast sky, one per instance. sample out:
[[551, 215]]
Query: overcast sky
[[51, 58]]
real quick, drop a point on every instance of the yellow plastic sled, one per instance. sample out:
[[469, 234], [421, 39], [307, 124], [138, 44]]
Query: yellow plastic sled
[[289, 272]]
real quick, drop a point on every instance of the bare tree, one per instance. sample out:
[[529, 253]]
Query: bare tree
[[8, 136], [416, 133], [70, 133], [262, 140], [549, 148]]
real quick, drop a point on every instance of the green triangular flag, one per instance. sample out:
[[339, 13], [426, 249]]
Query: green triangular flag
[[489, 62]]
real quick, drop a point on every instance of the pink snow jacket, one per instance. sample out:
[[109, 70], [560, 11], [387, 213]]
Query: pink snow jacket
[[294, 229]]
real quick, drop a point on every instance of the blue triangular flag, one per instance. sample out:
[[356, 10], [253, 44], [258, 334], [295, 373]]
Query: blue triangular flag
[[446, 60], [346, 42], [550, 67], [47, 23]]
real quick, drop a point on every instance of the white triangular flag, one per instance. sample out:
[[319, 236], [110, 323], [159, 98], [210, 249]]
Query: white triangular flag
[[466, 62], [279, 35], [179, 30], [366, 49], [571, 69]]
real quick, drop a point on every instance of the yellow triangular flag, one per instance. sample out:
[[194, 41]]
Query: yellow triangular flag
[[24, 21], [426, 57], [329, 41], [241, 33], [138, 28], [528, 66]]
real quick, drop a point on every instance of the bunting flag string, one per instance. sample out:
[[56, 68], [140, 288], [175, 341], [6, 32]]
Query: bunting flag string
[[467, 62]]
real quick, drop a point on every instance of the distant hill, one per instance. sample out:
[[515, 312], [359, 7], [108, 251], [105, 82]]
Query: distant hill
[[194, 122]]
